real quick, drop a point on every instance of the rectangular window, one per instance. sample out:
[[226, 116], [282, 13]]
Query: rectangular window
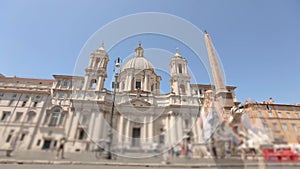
[[22, 136], [288, 115], [9, 136], [275, 127], [297, 115], [35, 104], [18, 116], [259, 114], [295, 127], [138, 85], [24, 103], [285, 127], [81, 134], [27, 96], [266, 127], [14, 95], [65, 83], [1, 94], [5, 115], [58, 83], [270, 114], [279, 114]]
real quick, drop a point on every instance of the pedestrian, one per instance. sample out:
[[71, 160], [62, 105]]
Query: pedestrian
[[251, 147], [155, 148], [177, 150], [214, 148], [189, 150], [165, 154], [60, 149]]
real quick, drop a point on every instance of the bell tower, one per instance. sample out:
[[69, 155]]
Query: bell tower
[[180, 78], [95, 73]]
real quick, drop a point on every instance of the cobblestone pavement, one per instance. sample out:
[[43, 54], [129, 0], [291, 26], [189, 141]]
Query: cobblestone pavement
[[88, 160]]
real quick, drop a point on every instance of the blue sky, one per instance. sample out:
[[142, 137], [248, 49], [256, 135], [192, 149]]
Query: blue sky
[[258, 41]]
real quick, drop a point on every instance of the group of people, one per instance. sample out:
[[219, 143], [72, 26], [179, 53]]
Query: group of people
[[244, 147], [178, 150]]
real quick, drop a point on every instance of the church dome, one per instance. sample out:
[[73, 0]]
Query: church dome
[[138, 61]]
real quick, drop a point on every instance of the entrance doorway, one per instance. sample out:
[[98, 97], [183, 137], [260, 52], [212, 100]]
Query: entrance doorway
[[47, 144], [136, 134]]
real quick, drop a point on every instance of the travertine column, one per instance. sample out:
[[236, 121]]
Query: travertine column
[[105, 127], [146, 83], [172, 129], [91, 125], [129, 84], [167, 131], [144, 136], [97, 127], [179, 128], [150, 129], [127, 131], [120, 128]]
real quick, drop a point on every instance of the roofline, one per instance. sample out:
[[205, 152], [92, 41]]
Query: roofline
[[273, 104], [31, 79], [67, 76]]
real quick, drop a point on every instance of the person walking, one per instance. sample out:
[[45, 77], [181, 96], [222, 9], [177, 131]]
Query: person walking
[[60, 150], [189, 150], [214, 148], [251, 148]]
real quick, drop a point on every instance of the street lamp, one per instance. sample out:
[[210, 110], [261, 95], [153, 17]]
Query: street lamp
[[110, 132]]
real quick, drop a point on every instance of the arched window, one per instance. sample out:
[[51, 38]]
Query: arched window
[[93, 84], [30, 117], [180, 68], [57, 117], [182, 89], [138, 84], [97, 62]]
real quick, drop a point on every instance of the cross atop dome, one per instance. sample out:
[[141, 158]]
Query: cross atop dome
[[102, 46], [177, 53], [139, 51]]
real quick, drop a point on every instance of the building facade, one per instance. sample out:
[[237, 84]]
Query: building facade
[[276, 123], [35, 113]]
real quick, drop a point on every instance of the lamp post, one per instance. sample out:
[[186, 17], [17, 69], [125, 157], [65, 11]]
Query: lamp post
[[110, 132]]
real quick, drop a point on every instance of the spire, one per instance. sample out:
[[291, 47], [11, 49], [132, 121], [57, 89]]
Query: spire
[[214, 64]]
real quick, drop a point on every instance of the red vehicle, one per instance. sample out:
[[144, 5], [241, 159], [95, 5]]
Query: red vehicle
[[280, 154]]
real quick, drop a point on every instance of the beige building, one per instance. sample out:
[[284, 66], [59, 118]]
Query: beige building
[[38, 113], [279, 122]]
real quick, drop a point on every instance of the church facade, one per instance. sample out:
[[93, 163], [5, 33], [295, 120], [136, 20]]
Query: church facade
[[36, 113]]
